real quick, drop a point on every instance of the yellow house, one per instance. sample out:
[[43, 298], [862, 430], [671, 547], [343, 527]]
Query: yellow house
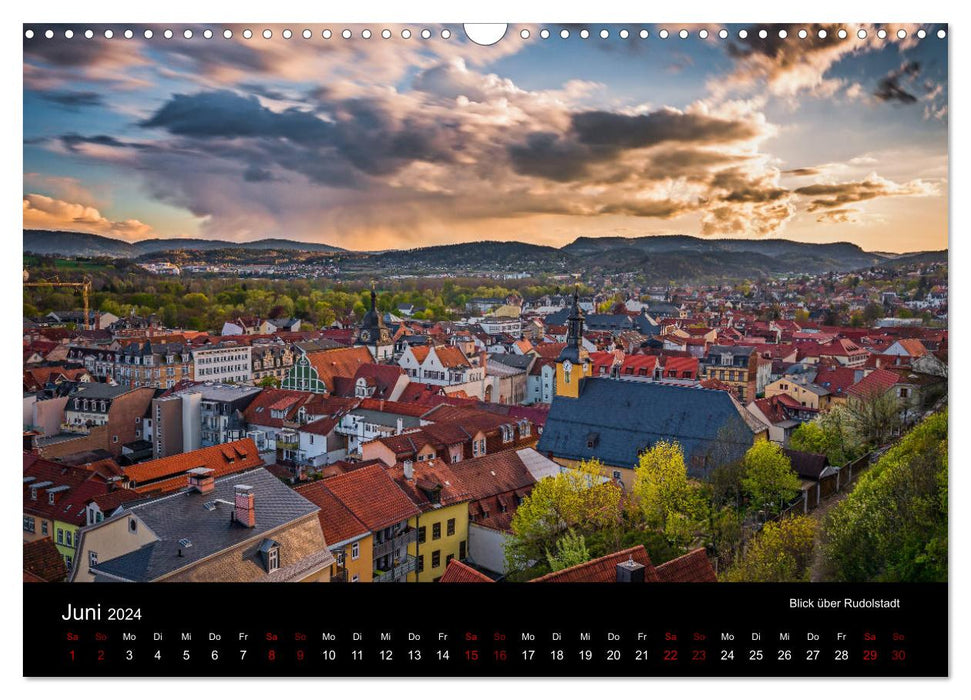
[[799, 389], [442, 524]]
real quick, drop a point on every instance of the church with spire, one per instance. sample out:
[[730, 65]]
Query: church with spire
[[374, 334], [574, 363]]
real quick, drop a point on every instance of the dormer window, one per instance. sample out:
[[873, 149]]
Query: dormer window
[[50, 498], [270, 553]]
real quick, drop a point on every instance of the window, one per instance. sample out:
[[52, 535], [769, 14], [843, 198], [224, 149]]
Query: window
[[450, 527], [355, 578], [92, 558], [462, 548], [421, 563], [43, 527], [355, 550], [436, 532], [132, 525], [50, 498], [273, 559], [60, 535], [421, 535], [436, 558], [29, 524], [69, 538], [69, 561]]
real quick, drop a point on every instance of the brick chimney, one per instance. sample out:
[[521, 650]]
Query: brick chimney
[[245, 511], [630, 572], [202, 479]]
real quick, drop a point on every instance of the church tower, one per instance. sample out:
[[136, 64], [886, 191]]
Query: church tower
[[573, 364], [374, 335]]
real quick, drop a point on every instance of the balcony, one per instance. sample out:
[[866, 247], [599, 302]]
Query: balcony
[[404, 538], [287, 441], [404, 566], [339, 577]]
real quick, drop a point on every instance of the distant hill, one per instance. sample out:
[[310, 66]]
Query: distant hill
[[496, 254], [74, 244], [658, 258]]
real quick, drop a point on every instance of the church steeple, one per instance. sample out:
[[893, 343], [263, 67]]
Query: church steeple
[[373, 333], [573, 364]]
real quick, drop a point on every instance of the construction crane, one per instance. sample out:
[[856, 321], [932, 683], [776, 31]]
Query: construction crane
[[84, 286]]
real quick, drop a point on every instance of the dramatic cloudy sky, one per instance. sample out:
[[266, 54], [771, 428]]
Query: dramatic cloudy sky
[[378, 143]]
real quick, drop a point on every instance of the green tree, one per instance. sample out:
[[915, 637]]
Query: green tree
[[769, 480], [570, 550], [782, 552], [269, 382], [577, 499], [661, 483]]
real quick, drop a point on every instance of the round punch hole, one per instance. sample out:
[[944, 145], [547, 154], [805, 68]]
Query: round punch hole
[[545, 34], [405, 33], [624, 33], [385, 33], [426, 33], [524, 34], [187, 33]]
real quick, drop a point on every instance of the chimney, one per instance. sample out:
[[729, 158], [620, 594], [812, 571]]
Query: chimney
[[399, 427], [630, 572], [202, 479], [409, 469], [245, 510]]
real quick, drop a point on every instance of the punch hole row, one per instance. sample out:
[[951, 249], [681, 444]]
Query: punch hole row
[[446, 33]]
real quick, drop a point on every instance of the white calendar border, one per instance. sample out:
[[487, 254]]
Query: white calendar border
[[515, 11]]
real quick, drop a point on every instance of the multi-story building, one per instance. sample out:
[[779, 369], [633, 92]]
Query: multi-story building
[[223, 362], [445, 366], [739, 366], [443, 520], [156, 365], [271, 360], [221, 412]]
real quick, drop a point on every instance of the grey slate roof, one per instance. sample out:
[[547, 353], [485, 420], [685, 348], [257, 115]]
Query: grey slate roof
[[183, 516], [620, 419], [98, 390]]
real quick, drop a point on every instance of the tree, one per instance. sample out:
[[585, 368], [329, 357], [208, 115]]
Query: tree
[[571, 549], [269, 382], [782, 552], [872, 419], [578, 499], [769, 480], [661, 483]]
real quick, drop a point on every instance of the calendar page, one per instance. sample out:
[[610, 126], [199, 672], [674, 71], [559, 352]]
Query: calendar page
[[519, 317]]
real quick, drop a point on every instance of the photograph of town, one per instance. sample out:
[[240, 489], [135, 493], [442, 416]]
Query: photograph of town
[[595, 303]]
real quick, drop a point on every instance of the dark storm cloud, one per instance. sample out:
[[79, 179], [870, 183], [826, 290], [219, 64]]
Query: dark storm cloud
[[73, 100], [802, 172], [890, 88], [548, 156], [615, 130], [224, 114]]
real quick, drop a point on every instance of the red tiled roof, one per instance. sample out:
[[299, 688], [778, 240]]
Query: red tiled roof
[[228, 458], [400, 407], [338, 523], [429, 477], [837, 379], [457, 572], [913, 347], [373, 497], [42, 561], [603, 569], [877, 382], [338, 362], [451, 356], [260, 410], [692, 567]]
